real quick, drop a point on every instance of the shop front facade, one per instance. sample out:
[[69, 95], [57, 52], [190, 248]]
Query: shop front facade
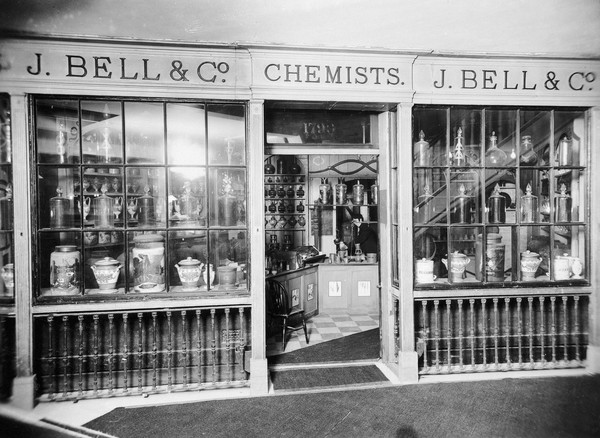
[[147, 186]]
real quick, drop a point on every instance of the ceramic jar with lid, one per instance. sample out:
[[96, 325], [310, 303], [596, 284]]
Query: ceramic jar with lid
[[148, 263], [190, 271], [106, 271], [530, 262], [424, 271], [562, 267], [456, 265]]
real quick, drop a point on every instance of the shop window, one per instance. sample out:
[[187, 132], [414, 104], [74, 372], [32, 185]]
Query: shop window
[[136, 198], [7, 284], [500, 196]]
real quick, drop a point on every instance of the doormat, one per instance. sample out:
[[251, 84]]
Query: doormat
[[360, 346], [305, 378]]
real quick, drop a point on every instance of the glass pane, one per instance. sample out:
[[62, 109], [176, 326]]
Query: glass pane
[[531, 195], [228, 254], [102, 132], [187, 196], [536, 125], [465, 197], [493, 260], [465, 127], [569, 199], [7, 274], [226, 135], [146, 196], [57, 131], [186, 134], [569, 262], [58, 205], [102, 197], [500, 196], [534, 247], [429, 196], [569, 135], [501, 146], [430, 247], [188, 257], [227, 197], [146, 261], [60, 269], [144, 133], [431, 151], [461, 261]]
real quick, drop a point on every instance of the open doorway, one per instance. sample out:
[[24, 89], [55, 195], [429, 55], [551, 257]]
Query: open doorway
[[319, 207]]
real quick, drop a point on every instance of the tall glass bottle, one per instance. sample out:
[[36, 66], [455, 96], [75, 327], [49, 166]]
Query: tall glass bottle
[[494, 156]]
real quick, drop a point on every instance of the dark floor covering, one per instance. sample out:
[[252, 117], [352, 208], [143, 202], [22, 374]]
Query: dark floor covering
[[360, 346], [525, 407], [293, 379]]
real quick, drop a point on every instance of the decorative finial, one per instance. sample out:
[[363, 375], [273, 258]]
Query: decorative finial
[[528, 189], [59, 191], [563, 189], [421, 135]]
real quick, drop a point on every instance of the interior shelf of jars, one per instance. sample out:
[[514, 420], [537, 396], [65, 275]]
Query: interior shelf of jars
[[285, 202], [526, 197]]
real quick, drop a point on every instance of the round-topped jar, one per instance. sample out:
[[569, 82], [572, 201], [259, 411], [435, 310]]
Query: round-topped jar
[[148, 263], [530, 262], [64, 269], [190, 271], [107, 272]]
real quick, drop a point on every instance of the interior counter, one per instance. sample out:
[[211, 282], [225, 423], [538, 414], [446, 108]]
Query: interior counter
[[326, 287]]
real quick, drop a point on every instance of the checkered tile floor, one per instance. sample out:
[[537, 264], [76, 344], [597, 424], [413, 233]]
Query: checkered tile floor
[[324, 327]]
